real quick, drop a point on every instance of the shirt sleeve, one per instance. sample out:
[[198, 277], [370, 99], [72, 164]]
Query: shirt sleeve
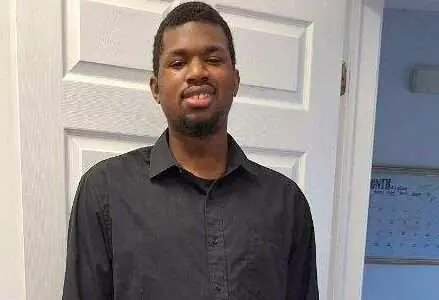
[[88, 274], [302, 269]]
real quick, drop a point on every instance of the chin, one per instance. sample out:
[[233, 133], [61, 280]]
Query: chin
[[196, 127]]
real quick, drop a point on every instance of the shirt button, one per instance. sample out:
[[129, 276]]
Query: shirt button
[[213, 242]]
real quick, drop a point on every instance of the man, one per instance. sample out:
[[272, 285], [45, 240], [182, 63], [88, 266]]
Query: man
[[190, 217]]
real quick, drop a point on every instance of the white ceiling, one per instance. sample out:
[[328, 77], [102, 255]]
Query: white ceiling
[[429, 5]]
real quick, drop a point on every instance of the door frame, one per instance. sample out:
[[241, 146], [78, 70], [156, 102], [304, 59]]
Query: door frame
[[354, 153], [362, 46], [11, 219]]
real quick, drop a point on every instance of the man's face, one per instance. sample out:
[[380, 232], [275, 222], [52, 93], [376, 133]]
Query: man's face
[[196, 80]]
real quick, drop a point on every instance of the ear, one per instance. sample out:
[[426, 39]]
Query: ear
[[154, 86], [237, 80]]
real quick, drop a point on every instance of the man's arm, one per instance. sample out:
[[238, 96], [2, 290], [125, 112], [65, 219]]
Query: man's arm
[[302, 271], [88, 273]]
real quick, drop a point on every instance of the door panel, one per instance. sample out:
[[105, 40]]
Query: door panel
[[285, 115]]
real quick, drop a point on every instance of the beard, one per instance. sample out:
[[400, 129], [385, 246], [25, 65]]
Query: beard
[[197, 129]]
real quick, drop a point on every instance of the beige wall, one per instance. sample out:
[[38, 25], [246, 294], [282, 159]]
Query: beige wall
[[12, 271]]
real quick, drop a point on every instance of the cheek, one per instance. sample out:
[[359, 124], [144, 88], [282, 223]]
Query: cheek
[[228, 78], [227, 85], [169, 88]]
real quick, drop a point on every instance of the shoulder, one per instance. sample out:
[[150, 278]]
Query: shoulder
[[273, 178], [121, 163], [97, 183], [116, 167]]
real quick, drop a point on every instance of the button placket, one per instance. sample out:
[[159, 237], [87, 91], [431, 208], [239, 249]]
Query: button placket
[[215, 249]]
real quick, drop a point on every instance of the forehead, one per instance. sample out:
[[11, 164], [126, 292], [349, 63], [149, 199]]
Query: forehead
[[193, 36]]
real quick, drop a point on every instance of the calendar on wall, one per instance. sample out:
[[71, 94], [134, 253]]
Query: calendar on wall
[[403, 220]]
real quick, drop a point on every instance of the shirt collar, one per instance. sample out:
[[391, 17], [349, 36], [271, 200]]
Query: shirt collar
[[237, 158], [162, 158]]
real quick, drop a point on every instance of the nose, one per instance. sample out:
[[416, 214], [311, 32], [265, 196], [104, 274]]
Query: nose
[[197, 71]]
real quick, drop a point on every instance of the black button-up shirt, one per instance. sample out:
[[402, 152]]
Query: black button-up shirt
[[141, 227]]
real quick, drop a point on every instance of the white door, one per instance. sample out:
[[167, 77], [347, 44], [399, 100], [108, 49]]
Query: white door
[[83, 70]]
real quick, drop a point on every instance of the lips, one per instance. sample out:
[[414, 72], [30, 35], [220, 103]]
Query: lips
[[198, 96], [198, 90]]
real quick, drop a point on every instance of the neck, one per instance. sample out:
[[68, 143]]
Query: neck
[[204, 157]]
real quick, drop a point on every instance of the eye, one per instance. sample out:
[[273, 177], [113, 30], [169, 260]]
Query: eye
[[177, 64], [214, 60]]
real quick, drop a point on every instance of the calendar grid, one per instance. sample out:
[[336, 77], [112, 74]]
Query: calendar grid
[[403, 220]]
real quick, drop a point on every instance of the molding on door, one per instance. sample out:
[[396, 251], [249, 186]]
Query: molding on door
[[355, 145]]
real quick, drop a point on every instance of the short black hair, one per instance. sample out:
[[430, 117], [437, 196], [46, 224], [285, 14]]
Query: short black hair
[[190, 12]]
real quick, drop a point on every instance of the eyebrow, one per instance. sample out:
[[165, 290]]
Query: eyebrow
[[208, 50], [214, 48]]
